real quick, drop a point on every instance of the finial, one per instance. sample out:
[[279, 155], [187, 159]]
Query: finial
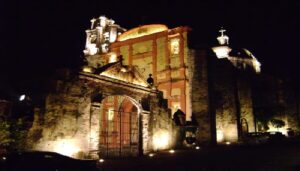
[[93, 22], [223, 39], [222, 30]]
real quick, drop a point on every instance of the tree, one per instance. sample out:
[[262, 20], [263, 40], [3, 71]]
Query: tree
[[5, 136], [264, 116], [13, 135], [277, 123], [18, 134]]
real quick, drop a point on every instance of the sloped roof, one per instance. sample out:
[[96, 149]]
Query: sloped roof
[[241, 53], [122, 72]]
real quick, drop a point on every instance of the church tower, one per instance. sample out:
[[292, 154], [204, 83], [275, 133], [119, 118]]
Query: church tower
[[223, 50]]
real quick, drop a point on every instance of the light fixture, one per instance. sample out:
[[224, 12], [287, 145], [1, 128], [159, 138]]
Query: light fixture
[[67, 147], [22, 97], [151, 154], [161, 140], [101, 160], [171, 151], [197, 148]]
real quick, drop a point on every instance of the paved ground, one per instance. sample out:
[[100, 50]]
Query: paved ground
[[271, 157]]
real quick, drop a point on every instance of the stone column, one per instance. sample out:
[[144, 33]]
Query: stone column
[[94, 129], [144, 131], [130, 55], [181, 50], [167, 50], [88, 40], [99, 37], [154, 60]]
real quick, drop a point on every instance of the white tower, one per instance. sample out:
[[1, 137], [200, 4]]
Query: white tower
[[103, 32], [223, 50]]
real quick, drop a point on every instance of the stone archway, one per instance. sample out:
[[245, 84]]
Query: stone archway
[[244, 126], [119, 126]]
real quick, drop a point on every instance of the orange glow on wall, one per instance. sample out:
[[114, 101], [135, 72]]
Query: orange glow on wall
[[142, 31]]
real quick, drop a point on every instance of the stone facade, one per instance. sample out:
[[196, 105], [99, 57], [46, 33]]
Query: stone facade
[[221, 99], [163, 54], [71, 121], [108, 109]]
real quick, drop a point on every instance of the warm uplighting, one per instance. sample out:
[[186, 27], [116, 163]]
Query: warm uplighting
[[228, 143], [87, 69], [126, 75], [256, 64], [222, 51], [171, 151], [273, 129], [151, 155], [161, 140], [220, 136], [112, 58], [66, 147], [142, 31]]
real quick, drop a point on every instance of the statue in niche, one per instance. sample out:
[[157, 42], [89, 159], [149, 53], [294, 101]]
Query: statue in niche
[[175, 46]]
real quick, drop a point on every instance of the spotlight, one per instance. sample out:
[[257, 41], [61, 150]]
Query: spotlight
[[197, 148], [171, 151], [151, 155], [101, 160], [228, 143], [22, 97]]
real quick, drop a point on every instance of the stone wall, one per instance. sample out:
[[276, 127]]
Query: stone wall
[[224, 99], [200, 95], [70, 121], [245, 98], [221, 97], [161, 126], [65, 121]]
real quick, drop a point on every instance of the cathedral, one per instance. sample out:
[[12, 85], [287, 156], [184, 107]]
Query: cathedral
[[123, 100]]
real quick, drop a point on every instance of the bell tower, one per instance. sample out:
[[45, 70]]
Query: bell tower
[[103, 31], [223, 50]]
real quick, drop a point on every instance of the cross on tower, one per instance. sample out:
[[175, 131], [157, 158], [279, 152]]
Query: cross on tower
[[222, 31]]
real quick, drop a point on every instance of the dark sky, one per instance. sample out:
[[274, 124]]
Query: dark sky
[[39, 36]]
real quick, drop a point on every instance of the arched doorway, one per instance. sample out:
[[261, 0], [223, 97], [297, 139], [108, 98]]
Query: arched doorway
[[119, 127], [244, 126]]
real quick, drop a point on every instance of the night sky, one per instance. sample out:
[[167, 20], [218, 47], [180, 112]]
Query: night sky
[[39, 36]]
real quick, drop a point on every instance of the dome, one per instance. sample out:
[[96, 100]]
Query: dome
[[241, 53], [142, 31]]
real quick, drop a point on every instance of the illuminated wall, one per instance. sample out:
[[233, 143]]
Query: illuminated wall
[[83, 114], [163, 54]]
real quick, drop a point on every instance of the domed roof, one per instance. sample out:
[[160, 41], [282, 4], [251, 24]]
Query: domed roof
[[142, 31], [241, 53]]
